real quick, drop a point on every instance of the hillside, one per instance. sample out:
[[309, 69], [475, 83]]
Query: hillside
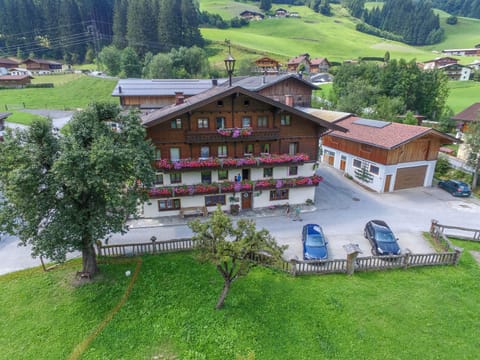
[[333, 37]]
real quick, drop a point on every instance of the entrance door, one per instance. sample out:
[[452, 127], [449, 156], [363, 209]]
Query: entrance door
[[343, 162], [388, 179], [246, 200], [245, 174]]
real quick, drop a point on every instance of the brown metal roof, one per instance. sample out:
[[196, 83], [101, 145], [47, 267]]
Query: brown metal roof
[[472, 113], [388, 136]]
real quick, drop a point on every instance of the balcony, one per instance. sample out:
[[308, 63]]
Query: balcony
[[233, 187], [232, 135], [225, 163]]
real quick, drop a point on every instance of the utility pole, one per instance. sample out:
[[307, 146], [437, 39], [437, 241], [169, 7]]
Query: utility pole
[[93, 31]]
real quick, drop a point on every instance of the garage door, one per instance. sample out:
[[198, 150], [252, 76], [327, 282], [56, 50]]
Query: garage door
[[410, 177]]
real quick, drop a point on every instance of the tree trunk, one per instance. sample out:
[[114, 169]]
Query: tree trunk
[[223, 295], [89, 259]]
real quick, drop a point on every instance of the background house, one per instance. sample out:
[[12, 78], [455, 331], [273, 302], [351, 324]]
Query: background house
[[294, 63], [8, 63], [319, 65], [266, 65], [42, 67], [251, 15], [15, 81], [438, 62], [466, 116], [456, 72], [235, 146], [384, 156]]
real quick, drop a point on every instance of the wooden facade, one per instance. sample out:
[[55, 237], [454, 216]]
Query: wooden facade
[[267, 65], [423, 149], [291, 92]]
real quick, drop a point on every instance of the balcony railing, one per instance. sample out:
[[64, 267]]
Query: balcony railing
[[234, 186], [232, 135], [219, 163]]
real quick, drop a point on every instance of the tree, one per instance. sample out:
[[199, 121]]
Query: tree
[[130, 64], [110, 58], [410, 119], [231, 248], [472, 140], [63, 193], [265, 5]]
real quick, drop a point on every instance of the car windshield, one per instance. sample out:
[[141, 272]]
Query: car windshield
[[385, 236], [315, 240]]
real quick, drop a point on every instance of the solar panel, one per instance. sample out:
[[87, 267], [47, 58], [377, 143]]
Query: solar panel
[[372, 123]]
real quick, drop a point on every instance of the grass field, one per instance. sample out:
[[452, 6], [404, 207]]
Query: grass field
[[427, 313], [463, 94], [70, 92], [332, 37]]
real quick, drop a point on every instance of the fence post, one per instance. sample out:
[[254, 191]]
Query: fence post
[[433, 226], [153, 239], [293, 271], [99, 247], [406, 258], [352, 252], [458, 253]]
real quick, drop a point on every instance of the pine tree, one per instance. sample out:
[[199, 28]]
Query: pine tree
[[120, 24], [265, 5], [169, 23]]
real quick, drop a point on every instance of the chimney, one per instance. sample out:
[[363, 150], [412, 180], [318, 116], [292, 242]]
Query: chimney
[[289, 100], [214, 82], [179, 98], [119, 89]]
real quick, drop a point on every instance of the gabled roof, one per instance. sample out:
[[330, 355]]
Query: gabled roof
[[162, 87], [440, 59], [318, 61], [298, 59], [257, 83], [8, 61], [218, 93], [266, 58], [385, 135], [41, 61], [472, 113], [4, 115]]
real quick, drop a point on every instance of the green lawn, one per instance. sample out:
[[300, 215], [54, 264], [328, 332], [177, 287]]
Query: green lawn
[[463, 94], [23, 118], [427, 313], [70, 92]]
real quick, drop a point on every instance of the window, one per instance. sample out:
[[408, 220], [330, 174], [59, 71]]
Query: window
[[206, 177], [267, 172], [158, 154], [204, 152], [170, 204], [293, 170], [366, 148], [220, 103], [374, 169], [249, 149], [222, 151], [285, 119], [292, 148], [357, 163], [213, 200], [279, 194], [262, 121], [246, 121], [176, 123], [174, 154], [158, 179], [222, 174], [266, 148], [175, 178], [202, 123], [246, 102], [220, 122]]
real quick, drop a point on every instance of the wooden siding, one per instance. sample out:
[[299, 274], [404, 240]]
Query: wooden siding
[[302, 92], [425, 148], [303, 132]]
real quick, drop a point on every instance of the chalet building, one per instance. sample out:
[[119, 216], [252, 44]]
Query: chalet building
[[155, 94], [251, 15], [462, 52], [42, 67], [384, 156], [319, 65], [467, 116], [456, 72], [294, 64], [19, 71], [7, 63], [241, 146], [15, 81], [438, 62], [266, 65], [475, 65], [280, 12]]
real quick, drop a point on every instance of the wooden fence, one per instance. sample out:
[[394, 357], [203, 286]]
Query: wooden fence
[[351, 264], [440, 233]]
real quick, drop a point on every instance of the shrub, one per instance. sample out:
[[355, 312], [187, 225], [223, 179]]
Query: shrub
[[442, 167]]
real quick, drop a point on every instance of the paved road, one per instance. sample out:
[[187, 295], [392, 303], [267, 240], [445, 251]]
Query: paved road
[[342, 208]]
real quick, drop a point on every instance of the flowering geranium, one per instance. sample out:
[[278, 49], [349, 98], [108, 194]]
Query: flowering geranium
[[160, 192], [235, 132], [265, 184], [283, 158], [206, 189]]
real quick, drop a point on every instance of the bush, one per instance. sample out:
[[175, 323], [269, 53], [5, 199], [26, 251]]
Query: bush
[[43, 85], [451, 20], [442, 167]]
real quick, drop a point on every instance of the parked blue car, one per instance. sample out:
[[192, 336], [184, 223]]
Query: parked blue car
[[456, 187], [314, 243], [381, 238]]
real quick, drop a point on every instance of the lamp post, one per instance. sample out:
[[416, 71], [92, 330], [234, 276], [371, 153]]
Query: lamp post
[[229, 65]]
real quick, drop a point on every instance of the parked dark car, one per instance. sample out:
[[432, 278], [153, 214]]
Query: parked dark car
[[381, 238], [456, 187], [314, 243]]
